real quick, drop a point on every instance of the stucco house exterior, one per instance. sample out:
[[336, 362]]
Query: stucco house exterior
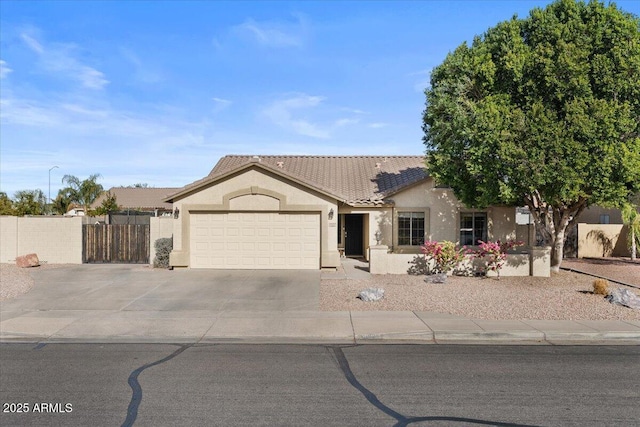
[[305, 212]]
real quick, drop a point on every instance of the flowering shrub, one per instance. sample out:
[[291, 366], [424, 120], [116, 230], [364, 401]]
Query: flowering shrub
[[445, 255], [495, 252]]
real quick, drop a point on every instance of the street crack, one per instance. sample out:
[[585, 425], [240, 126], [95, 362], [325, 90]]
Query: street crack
[[403, 420], [136, 389]]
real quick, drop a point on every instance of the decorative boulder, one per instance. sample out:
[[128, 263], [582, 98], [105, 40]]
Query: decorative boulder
[[371, 294], [29, 260], [624, 297]]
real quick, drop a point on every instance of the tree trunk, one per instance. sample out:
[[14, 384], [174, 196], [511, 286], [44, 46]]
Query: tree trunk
[[557, 249], [552, 223], [633, 244]]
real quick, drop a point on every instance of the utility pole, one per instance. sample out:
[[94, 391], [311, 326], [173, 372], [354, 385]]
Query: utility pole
[[49, 204]]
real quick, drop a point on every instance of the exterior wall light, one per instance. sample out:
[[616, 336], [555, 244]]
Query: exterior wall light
[[176, 213], [378, 236], [331, 213]]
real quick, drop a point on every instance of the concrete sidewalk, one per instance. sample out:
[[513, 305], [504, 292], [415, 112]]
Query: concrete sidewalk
[[124, 304], [201, 326]]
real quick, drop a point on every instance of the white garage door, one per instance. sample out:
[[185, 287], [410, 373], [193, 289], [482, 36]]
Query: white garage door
[[260, 240]]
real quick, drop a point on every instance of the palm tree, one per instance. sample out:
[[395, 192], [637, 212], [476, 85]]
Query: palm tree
[[84, 192], [62, 202]]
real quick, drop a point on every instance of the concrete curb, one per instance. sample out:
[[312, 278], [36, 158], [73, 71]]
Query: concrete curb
[[439, 337]]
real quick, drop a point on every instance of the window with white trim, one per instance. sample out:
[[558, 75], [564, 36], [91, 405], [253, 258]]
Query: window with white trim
[[473, 227], [410, 228]]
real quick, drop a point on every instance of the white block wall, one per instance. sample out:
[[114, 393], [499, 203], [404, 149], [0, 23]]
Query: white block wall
[[160, 227], [56, 240]]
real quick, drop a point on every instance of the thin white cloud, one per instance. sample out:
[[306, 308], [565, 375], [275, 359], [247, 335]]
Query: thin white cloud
[[275, 34], [354, 110], [27, 112], [4, 69], [346, 122], [32, 43], [142, 71], [283, 113], [378, 125], [220, 104], [91, 78], [149, 142], [59, 58]]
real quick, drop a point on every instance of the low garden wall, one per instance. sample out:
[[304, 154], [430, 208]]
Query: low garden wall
[[531, 261], [602, 240], [58, 239], [55, 239]]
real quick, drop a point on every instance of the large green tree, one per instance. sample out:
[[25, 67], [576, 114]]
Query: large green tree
[[83, 192], [543, 112]]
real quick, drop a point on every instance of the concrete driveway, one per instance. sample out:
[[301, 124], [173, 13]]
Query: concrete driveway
[[140, 288]]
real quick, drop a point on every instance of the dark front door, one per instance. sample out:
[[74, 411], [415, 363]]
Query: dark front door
[[353, 230]]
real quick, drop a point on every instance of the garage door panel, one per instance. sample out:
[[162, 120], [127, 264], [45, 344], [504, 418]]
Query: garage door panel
[[295, 247], [263, 240]]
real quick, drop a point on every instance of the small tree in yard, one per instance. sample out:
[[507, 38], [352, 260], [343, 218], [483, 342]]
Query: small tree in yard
[[543, 112], [444, 255], [109, 204], [495, 252]]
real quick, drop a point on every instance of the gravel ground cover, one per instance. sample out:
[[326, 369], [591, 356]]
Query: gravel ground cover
[[15, 281], [622, 269], [564, 296]]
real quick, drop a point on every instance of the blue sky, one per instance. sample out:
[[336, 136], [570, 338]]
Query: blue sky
[[157, 92]]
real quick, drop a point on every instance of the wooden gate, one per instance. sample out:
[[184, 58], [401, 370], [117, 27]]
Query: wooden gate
[[115, 243]]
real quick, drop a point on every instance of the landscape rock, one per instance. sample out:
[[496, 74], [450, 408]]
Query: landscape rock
[[624, 297], [371, 294], [29, 260]]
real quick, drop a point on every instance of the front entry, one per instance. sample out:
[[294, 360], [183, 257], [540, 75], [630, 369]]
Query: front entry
[[353, 234]]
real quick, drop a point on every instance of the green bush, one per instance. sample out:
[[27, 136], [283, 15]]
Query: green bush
[[163, 248]]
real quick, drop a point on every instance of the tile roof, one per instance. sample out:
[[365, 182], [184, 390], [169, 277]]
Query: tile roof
[[139, 198], [356, 180]]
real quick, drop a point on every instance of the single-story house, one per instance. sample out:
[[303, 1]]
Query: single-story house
[[140, 199], [305, 212]]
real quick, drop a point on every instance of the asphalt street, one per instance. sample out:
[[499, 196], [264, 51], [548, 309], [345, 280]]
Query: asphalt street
[[372, 385]]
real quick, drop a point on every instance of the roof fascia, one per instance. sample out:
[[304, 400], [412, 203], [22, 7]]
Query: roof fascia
[[253, 164]]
